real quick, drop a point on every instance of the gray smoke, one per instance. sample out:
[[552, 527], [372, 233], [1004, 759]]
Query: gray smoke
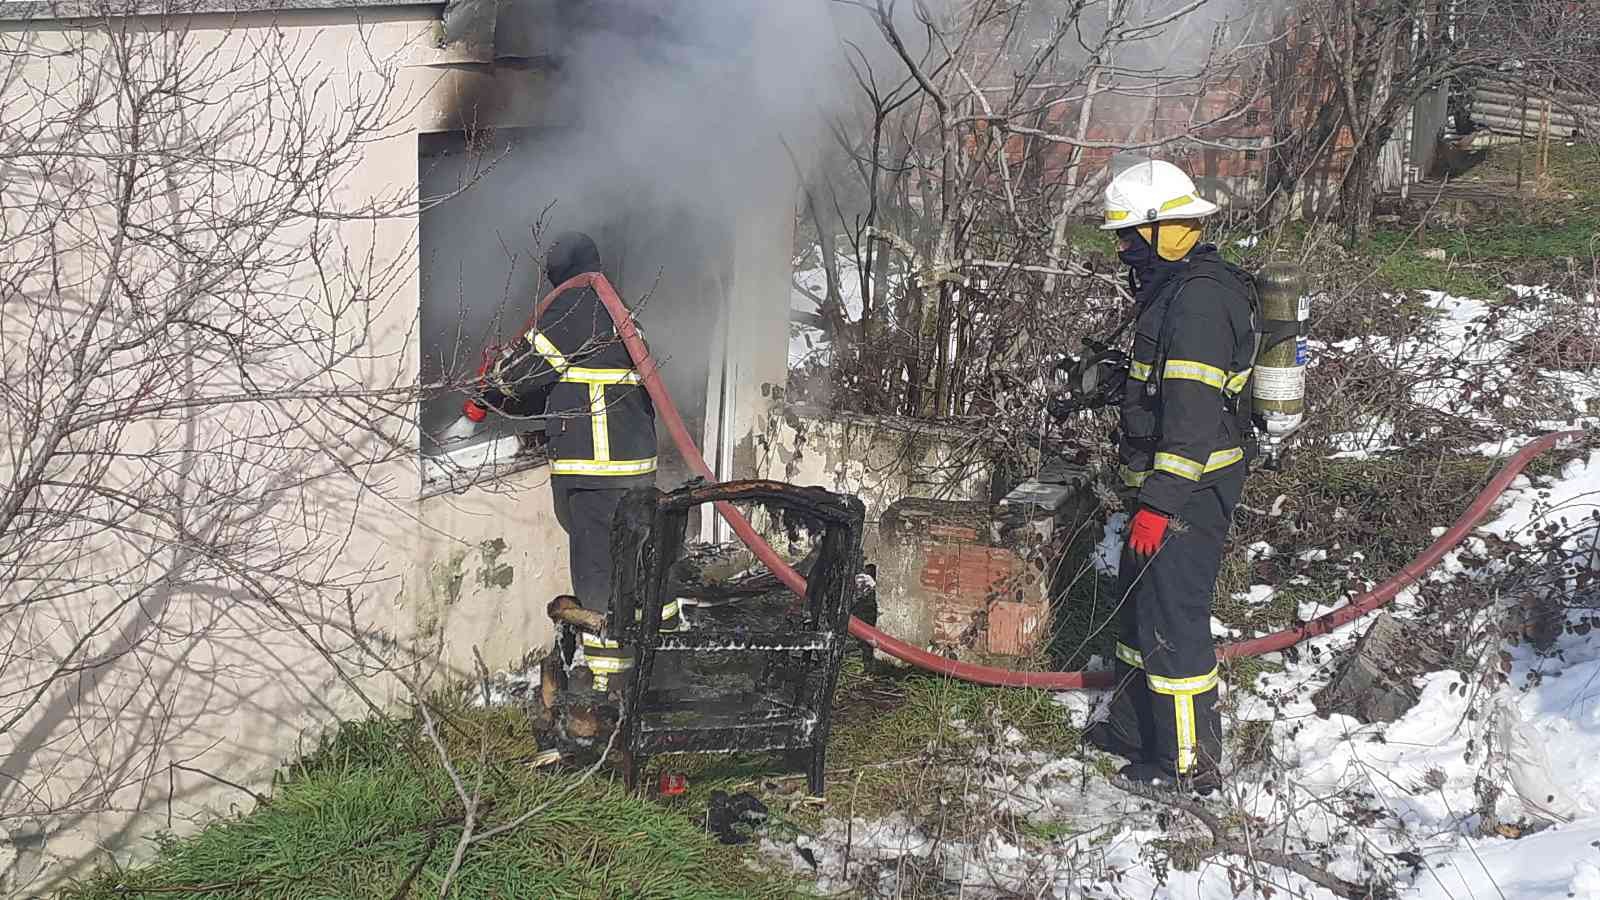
[[693, 106], [670, 122]]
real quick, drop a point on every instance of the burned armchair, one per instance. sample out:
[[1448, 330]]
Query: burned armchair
[[754, 670]]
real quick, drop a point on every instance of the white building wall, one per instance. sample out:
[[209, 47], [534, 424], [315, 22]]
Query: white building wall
[[446, 575]]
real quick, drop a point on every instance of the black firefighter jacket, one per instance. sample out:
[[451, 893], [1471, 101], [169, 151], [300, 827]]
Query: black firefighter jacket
[[572, 367], [1185, 415]]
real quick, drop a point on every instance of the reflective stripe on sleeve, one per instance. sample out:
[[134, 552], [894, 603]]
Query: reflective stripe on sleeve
[[1129, 655], [1190, 370], [1189, 470], [1223, 459], [1183, 467]]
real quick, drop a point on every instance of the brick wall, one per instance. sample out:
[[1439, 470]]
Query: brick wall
[[1229, 159], [954, 587]]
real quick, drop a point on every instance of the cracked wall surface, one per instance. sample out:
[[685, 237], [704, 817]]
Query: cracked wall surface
[[879, 459]]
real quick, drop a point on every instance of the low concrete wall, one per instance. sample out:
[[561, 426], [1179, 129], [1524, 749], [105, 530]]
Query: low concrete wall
[[880, 459]]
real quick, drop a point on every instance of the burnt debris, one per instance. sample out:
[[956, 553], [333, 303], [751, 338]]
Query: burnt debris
[[752, 669]]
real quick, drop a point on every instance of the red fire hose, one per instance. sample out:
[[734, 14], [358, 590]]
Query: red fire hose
[[1057, 681]]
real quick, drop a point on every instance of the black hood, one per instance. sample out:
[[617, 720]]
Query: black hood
[[571, 253], [1151, 269]]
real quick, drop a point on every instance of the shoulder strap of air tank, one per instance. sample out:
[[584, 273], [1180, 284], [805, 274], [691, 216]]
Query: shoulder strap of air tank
[[1208, 268], [1252, 295]]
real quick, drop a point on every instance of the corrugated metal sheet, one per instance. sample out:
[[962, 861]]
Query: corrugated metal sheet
[[1507, 111]]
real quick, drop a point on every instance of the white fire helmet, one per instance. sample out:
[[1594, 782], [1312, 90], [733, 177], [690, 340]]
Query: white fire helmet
[[1151, 191]]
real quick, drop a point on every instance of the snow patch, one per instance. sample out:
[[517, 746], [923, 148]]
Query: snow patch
[[1107, 555]]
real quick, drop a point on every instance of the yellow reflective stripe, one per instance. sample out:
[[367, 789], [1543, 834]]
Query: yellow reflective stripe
[[1223, 459], [1236, 381], [1179, 687], [598, 426], [1139, 371], [602, 467], [1117, 215], [1133, 477], [668, 611], [1129, 655], [608, 663], [1183, 712], [549, 351], [598, 643], [1184, 468], [1191, 370], [583, 375]]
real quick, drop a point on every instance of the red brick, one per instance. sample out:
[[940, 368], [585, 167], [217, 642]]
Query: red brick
[[1017, 629]]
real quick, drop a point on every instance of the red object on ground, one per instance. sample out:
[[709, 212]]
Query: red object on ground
[[1055, 681], [1144, 535], [673, 785]]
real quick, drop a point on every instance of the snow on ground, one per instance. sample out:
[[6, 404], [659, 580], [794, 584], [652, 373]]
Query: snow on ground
[[1573, 498], [1407, 794], [1107, 554], [1464, 352], [1417, 778], [1551, 864]]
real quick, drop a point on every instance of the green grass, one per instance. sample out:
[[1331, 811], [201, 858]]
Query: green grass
[[358, 814], [1563, 221], [896, 739], [369, 811], [1573, 170], [1476, 254], [362, 817]]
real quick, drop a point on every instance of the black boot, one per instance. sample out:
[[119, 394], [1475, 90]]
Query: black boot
[[1104, 737], [1203, 781]]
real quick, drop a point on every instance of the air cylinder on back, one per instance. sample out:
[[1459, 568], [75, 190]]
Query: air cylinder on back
[[1280, 373]]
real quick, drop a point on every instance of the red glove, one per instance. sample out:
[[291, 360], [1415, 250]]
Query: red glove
[[1144, 535], [474, 411]]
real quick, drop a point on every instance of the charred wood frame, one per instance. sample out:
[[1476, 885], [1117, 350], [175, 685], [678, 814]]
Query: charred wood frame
[[799, 657]]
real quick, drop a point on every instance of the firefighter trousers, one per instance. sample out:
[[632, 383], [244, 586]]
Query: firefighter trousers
[[1166, 665], [585, 514]]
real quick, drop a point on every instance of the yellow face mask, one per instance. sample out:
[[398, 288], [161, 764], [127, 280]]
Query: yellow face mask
[[1177, 237]]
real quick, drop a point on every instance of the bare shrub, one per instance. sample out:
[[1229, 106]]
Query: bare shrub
[[205, 397]]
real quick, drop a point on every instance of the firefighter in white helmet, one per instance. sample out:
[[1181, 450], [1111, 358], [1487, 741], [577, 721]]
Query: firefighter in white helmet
[[1184, 437]]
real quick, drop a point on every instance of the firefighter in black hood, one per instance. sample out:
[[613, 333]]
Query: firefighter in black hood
[[572, 368], [1183, 442]]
